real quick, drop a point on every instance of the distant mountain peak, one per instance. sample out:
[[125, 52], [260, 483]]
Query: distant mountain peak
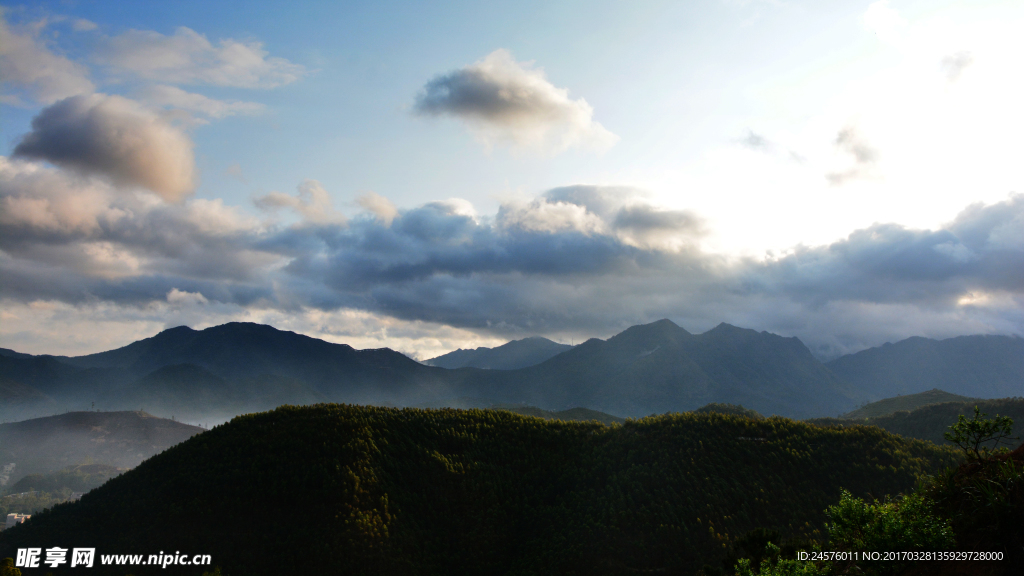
[[509, 356]]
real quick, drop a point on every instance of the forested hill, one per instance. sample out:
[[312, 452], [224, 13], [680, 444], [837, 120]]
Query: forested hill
[[906, 403], [337, 489], [932, 421]]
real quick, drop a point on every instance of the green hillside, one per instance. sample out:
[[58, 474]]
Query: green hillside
[[907, 402], [339, 489], [732, 409], [930, 422], [572, 414]]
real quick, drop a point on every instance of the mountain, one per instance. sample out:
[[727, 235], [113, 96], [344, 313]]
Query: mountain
[[932, 421], [337, 489], [907, 403], [218, 372], [119, 439], [660, 367], [514, 354], [15, 394], [235, 368], [979, 366], [244, 351]]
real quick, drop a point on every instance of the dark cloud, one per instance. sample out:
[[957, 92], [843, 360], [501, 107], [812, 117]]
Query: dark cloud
[[508, 100], [116, 138]]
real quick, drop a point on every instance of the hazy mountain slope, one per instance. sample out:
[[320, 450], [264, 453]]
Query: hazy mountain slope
[[187, 389], [660, 367], [12, 354], [979, 366], [908, 402], [509, 356], [633, 373], [387, 491], [240, 351], [18, 401], [43, 373], [119, 439], [768, 373], [646, 369], [78, 478], [14, 393]]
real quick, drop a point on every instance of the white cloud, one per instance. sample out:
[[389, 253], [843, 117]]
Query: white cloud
[[172, 97], [507, 101], [312, 202], [83, 25], [379, 206], [187, 57], [180, 297], [26, 63]]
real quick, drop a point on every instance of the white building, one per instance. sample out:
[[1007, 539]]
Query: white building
[[13, 519]]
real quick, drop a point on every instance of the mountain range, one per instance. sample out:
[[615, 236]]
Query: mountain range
[[218, 372], [510, 356]]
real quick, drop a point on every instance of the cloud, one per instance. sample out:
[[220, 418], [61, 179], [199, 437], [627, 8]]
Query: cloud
[[575, 261], [312, 202], [114, 137], [75, 237], [864, 156], [757, 142], [26, 63], [83, 25], [954, 64], [187, 57], [379, 206], [507, 101], [181, 297], [175, 98], [235, 171]]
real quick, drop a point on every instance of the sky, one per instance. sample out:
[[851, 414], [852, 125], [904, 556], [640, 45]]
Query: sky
[[431, 177]]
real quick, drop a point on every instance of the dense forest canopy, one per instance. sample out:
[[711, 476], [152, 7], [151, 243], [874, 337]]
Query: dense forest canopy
[[366, 490]]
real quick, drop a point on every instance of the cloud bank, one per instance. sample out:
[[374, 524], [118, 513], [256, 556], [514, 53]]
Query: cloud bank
[[575, 261], [512, 102]]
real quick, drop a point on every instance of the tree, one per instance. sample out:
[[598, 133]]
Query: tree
[[972, 436], [7, 568]]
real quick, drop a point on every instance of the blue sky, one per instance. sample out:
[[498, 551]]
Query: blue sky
[[426, 177]]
